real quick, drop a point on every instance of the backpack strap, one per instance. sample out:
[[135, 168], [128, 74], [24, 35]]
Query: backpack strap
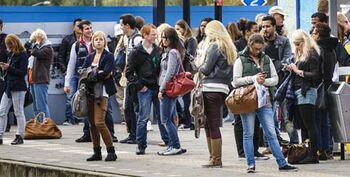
[[133, 39]]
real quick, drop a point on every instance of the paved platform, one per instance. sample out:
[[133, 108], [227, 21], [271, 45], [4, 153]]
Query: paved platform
[[66, 154]]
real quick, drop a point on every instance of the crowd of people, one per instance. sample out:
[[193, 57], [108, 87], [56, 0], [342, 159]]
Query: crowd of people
[[146, 57]]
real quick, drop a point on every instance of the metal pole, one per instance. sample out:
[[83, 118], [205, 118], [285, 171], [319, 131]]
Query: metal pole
[[186, 11], [218, 10], [158, 12]]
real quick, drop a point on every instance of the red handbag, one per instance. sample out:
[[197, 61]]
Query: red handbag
[[180, 84]]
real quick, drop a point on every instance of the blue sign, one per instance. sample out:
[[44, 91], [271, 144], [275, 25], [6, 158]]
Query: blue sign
[[254, 2]]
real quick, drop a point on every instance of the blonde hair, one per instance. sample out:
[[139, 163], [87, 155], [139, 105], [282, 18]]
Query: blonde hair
[[17, 46], [38, 33], [99, 34], [308, 44], [216, 33], [160, 30]]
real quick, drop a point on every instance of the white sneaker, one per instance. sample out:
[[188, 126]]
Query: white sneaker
[[163, 151], [149, 126], [173, 151], [182, 127], [66, 123]]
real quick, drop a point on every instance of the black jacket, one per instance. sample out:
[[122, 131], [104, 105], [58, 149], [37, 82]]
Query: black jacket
[[143, 68], [64, 52], [105, 68], [15, 74], [240, 44], [328, 59], [3, 52], [311, 68]]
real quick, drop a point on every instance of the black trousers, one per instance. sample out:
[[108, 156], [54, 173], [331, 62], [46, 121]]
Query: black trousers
[[238, 129]]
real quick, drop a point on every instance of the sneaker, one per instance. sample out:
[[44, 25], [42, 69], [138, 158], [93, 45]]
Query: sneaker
[[322, 155], [128, 140], [173, 151], [140, 149], [288, 168], [163, 151], [251, 169], [183, 127], [267, 151], [66, 123], [149, 126], [114, 139], [259, 156], [1, 142], [282, 141], [162, 144]]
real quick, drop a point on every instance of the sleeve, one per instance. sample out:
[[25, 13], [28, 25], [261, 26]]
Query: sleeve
[[130, 72], [342, 55], [273, 80], [62, 54], [192, 46], [172, 65], [210, 60], [22, 70], [313, 74], [287, 53], [238, 80], [71, 66], [108, 64], [45, 53]]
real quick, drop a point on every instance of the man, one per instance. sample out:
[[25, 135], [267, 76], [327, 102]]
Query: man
[[63, 58], [79, 51], [279, 50], [279, 15], [143, 70], [128, 26], [318, 17]]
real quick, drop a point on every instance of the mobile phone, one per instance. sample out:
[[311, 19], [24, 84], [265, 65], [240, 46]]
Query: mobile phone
[[2, 63], [263, 72]]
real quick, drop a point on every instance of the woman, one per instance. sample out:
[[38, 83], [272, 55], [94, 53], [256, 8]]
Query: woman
[[253, 66], [190, 45], [14, 70], [170, 66], [233, 31], [216, 66], [306, 69], [200, 35], [39, 71], [100, 85]]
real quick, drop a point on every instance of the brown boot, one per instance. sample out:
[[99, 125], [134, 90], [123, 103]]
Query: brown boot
[[216, 148], [210, 162]]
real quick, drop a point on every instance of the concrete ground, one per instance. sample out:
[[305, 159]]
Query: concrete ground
[[65, 153]]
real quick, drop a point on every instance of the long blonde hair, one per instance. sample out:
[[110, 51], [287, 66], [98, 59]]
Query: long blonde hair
[[15, 42], [308, 44], [216, 33]]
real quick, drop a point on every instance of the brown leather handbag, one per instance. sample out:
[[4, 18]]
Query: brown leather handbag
[[243, 100], [41, 128], [296, 152]]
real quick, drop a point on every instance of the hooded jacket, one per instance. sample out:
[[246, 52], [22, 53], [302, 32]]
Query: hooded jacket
[[43, 57], [143, 68], [328, 59]]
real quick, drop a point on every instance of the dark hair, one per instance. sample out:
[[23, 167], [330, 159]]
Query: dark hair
[[82, 23], [248, 26], [139, 22], [77, 20], [184, 25], [1, 22], [174, 39], [128, 19], [200, 36], [270, 18], [255, 38], [323, 30], [241, 24], [321, 16]]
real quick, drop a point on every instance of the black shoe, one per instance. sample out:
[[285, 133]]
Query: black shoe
[[8, 129], [83, 139], [140, 149], [259, 156], [241, 156], [251, 169], [18, 140], [111, 156], [96, 156], [131, 141], [288, 168], [323, 155], [282, 141], [114, 139], [125, 140], [309, 160], [1, 142]]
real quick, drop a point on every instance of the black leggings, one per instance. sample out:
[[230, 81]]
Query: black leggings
[[308, 125], [213, 101]]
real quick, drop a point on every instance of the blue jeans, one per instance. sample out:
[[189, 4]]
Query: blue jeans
[[17, 99], [108, 120], [73, 85], [265, 116], [40, 98], [145, 103], [325, 136], [156, 116], [167, 113]]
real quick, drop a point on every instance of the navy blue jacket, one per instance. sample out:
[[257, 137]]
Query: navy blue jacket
[[106, 65], [15, 74]]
